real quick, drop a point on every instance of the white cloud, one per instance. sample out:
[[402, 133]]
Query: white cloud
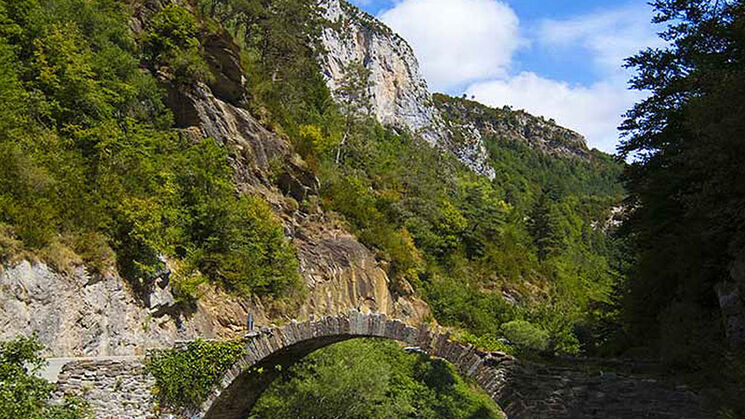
[[608, 36], [457, 41], [594, 111], [468, 45]]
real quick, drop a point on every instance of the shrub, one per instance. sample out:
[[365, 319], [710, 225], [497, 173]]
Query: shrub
[[237, 241], [485, 342], [10, 246], [26, 196], [185, 279], [526, 335], [95, 252], [184, 378], [173, 40], [61, 257], [455, 302], [312, 144], [259, 259], [25, 395], [398, 248]]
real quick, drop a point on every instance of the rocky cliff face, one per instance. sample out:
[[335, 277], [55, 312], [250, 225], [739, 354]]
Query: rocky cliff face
[[340, 273], [79, 314], [473, 121], [399, 93], [76, 314], [400, 97]]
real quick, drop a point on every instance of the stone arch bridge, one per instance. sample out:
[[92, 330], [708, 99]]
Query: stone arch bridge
[[119, 387]]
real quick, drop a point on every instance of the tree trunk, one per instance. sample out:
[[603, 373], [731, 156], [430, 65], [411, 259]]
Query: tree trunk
[[341, 144], [733, 312]]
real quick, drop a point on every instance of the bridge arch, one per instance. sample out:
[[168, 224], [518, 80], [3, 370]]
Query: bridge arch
[[244, 383]]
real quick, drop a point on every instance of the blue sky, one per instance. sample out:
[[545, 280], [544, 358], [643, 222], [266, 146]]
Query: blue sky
[[557, 58]]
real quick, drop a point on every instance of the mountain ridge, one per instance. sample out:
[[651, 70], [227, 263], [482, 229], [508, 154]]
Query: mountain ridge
[[400, 96]]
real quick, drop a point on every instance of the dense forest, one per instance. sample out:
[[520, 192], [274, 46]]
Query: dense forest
[[686, 197], [93, 170], [380, 381], [455, 237]]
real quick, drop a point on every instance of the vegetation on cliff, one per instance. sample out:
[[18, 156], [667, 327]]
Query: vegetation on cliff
[[185, 377], [93, 172], [457, 238], [92, 165], [89, 161]]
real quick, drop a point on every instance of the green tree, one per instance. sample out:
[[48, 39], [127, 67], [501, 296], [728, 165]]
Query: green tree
[[355, 97], [25, 395], [173, 41], [686, 194], [544, 227], [686, 223], [372, 379], [280, 40]]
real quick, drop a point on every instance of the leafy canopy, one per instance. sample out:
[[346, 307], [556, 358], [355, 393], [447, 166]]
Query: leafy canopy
[[686, 226], [364, 378]]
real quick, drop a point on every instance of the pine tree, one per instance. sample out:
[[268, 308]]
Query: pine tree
[[543, 226], [355, 99]]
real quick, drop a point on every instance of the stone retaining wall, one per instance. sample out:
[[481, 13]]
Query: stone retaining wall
[[115, 388]]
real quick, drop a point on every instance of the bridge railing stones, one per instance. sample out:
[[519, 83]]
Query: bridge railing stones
[[259, 346]]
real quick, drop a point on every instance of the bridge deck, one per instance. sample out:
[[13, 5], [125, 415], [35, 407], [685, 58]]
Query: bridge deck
[[119, 388]]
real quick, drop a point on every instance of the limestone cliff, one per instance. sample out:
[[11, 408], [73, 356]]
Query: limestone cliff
[[399, 93], [467, 119], [79, 314], [400, 97]]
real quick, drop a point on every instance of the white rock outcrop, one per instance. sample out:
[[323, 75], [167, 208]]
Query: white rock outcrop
[[399, 93]]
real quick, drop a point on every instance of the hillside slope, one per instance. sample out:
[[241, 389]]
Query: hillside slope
[[398, 92], [399, 97], [196, 168], [75, 309]]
